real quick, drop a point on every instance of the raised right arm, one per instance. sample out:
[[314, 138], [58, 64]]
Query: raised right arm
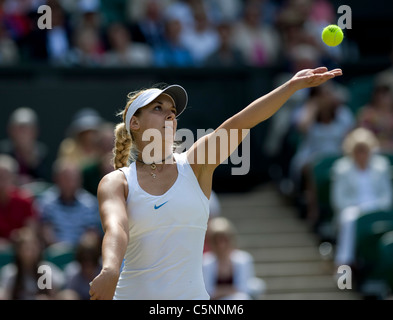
[[112, 195]]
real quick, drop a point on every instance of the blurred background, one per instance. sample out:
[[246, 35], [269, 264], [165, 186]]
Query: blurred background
[[61, 89]]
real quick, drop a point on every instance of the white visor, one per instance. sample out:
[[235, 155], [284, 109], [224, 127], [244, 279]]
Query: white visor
[[176, 92]]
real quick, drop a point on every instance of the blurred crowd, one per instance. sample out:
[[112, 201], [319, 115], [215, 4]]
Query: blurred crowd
[[335, 164], [49, 211], [167, 33]]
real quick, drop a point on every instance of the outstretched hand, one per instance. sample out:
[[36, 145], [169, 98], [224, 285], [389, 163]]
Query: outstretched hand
[[314, 77]]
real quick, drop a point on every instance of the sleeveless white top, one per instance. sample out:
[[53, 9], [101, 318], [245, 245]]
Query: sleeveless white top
[[163, 260]]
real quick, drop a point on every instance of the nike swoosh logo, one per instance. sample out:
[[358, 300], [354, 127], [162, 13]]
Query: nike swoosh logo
[[157, 207]]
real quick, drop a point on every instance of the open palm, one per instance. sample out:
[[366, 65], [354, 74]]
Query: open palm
[[314, 77]]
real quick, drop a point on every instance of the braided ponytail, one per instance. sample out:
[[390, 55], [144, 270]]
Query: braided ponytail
[[123, 145], [125, 149]]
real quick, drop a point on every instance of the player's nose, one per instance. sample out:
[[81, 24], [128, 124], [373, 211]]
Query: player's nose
[[170, 116]]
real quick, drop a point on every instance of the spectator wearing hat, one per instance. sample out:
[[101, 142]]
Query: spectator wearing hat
[[82, 142], [23, 145], [93, 173]]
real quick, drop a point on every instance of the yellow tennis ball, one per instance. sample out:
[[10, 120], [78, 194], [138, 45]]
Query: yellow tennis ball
[[332, 35]]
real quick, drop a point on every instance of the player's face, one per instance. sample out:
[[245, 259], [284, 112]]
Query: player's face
[[159, 114]]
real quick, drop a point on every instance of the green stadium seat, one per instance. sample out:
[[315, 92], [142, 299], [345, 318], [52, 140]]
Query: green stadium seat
[[389, 156], [321, 171], [370, 227], [6, 256], [385, 262]]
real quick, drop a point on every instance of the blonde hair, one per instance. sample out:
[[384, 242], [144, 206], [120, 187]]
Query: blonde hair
[[221, 226], [125, 149], [360, 136]]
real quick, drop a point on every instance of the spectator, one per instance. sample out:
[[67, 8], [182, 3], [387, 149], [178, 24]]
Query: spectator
[[223, 10], [292, 24], [81, 143], [86, 267], [259, 44], [58, 37], [322, 13], [88, 50], [124, 51], [361, 184], [322, 123], [201, 40], [93, 173], [67, 210], [49, 45], [9, 51], [88, 34], [181, 11], [149, 26], [137, 9], [377, 115], [16, 206], [23, 145], [172, 53], [228, 272], [15, 16], [226, 55], [20, 278], [88, 15]]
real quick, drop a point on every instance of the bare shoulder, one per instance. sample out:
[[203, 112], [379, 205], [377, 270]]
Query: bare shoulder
[[197, 155], [113, 182], [112, 194]]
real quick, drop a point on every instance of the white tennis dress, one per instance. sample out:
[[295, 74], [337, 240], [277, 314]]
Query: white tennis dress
[[163, 260]]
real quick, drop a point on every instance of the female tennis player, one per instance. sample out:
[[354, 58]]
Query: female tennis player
[[154, 211]]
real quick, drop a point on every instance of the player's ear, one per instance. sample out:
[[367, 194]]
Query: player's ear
[[134, 124]]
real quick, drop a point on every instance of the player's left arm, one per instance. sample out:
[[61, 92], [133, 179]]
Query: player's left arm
[[256, 112]]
